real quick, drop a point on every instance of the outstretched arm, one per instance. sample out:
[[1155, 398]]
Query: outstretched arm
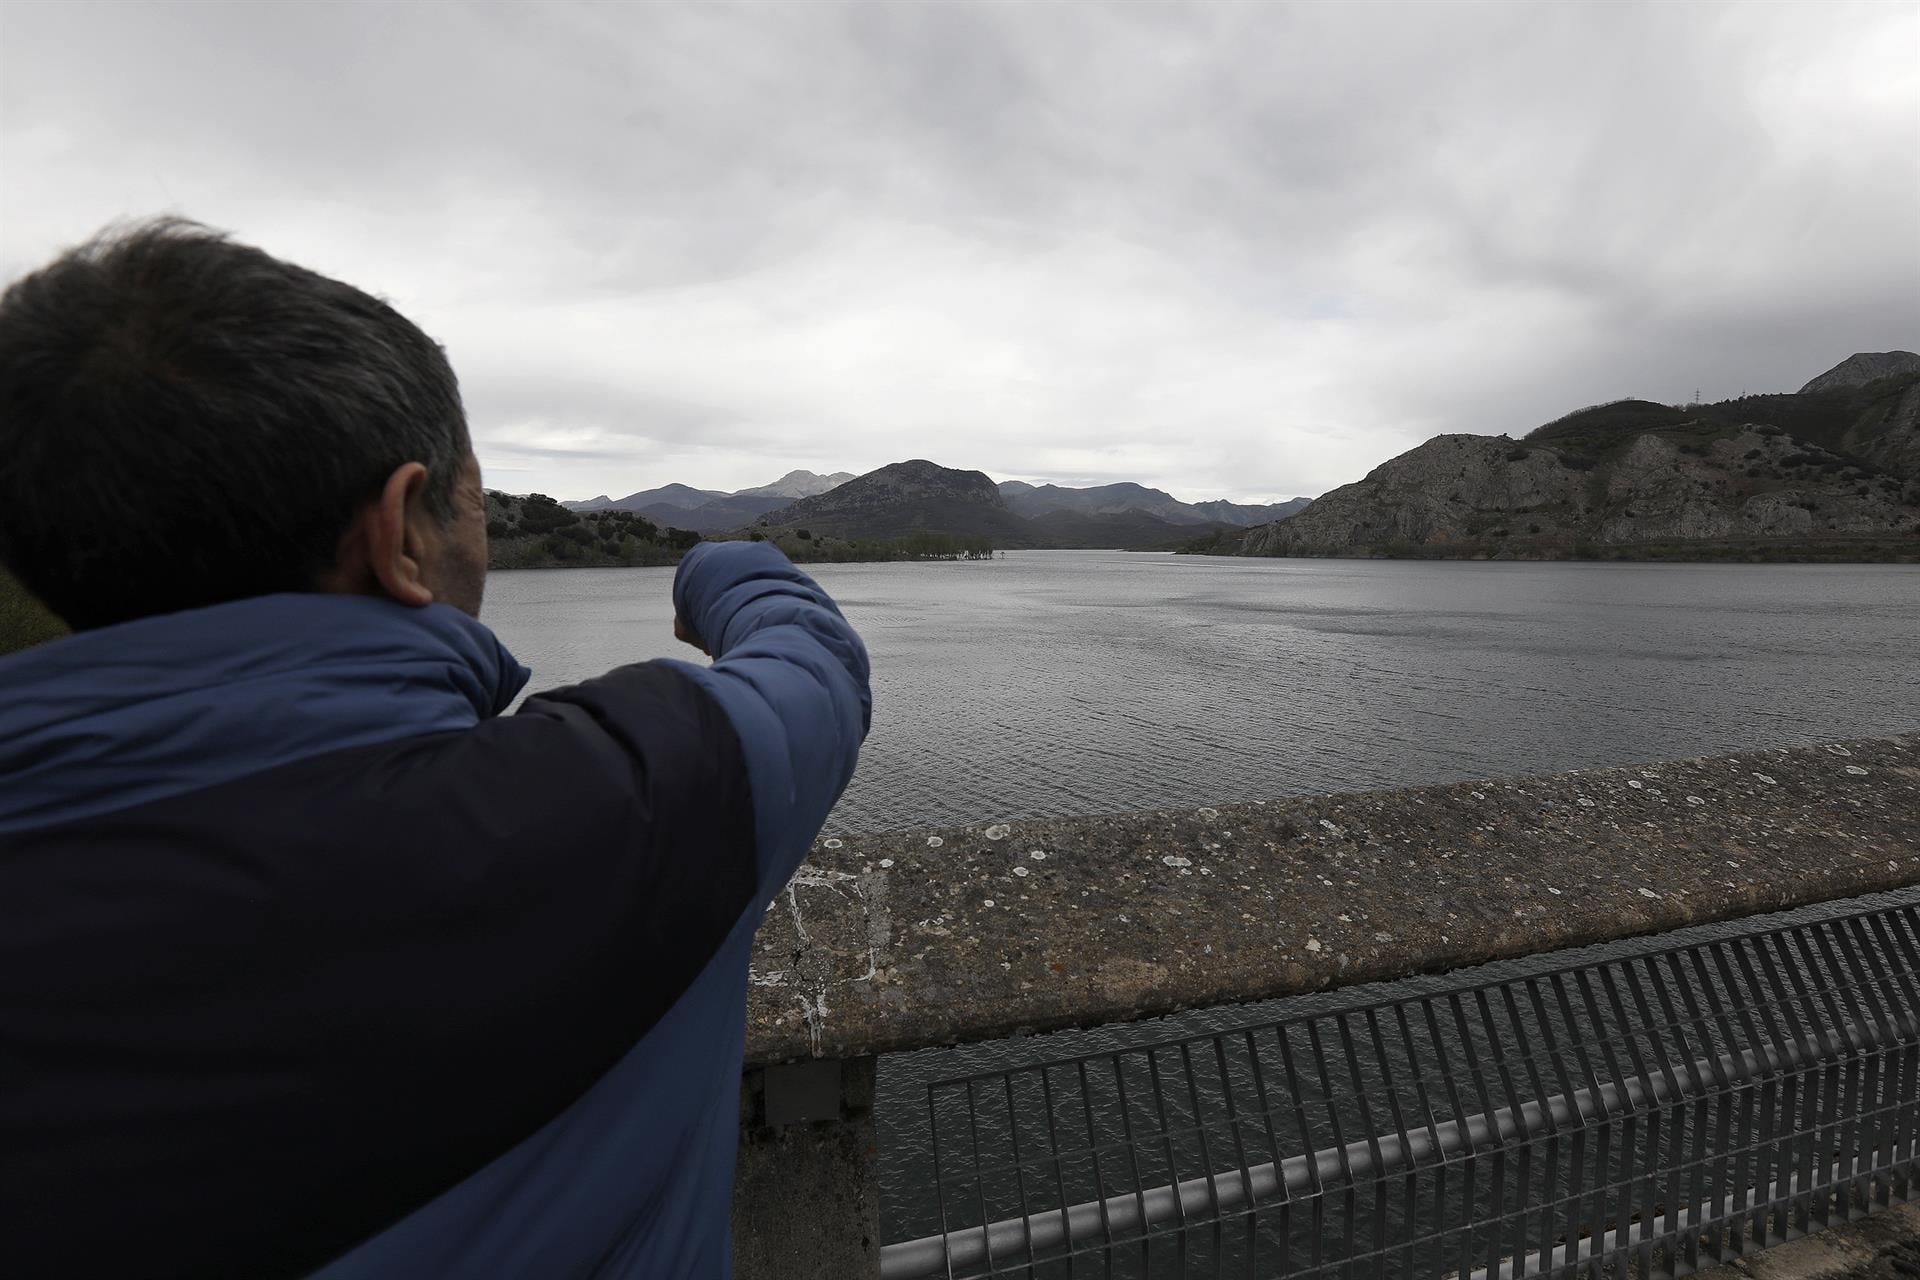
[[791, 676]]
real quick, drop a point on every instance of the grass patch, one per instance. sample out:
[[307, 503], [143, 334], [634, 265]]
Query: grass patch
[[24, 621]]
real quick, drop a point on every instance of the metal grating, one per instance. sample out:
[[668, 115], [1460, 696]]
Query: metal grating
[[1644, 1115]]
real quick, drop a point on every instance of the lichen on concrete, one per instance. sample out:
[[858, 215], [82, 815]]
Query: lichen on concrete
[[908, 939]]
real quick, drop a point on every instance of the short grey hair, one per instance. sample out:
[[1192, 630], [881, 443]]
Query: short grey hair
[[185, 420]]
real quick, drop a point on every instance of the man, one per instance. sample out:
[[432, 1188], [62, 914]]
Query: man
[[311, 959]]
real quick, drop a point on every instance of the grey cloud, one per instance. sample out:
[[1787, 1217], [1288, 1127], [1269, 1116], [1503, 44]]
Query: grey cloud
[[1239, 250]]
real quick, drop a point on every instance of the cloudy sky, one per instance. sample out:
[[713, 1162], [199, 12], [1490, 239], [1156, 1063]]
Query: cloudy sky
[[1234, 250]]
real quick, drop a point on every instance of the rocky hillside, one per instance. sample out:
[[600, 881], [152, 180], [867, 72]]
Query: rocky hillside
[[1862, 367], [1831, 473]]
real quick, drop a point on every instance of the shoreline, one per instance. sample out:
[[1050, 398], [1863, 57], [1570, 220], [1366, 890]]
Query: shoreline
[[1650, 553]]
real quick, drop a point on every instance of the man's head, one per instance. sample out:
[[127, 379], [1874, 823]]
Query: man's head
[[186, 421]]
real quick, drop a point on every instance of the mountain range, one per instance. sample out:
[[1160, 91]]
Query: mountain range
[[714, 510], [921, 496], [1116, 499], [1829, 472]]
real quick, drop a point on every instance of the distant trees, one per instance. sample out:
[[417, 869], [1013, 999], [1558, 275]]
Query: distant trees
[[536, 532], [541, 514]]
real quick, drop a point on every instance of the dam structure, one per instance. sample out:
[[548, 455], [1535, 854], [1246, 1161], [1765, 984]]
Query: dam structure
[[1635, 1020]]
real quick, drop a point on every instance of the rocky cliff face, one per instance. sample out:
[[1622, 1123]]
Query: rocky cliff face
[[1638, 478], [1862, 367], [1887, 433], [1430, 496]]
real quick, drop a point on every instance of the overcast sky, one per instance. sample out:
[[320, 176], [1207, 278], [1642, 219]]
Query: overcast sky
[[1238, 250]]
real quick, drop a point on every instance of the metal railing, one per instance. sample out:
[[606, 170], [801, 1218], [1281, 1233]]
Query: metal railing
[[1632, 1115]]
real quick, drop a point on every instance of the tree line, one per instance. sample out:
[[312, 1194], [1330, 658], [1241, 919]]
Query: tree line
[[536, 532]]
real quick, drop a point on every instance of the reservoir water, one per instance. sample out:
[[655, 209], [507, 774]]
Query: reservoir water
[[1070, 682], [1052, 683]]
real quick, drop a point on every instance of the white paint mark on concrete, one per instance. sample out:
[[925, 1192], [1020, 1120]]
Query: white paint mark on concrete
[[998, 831], [815, 1016]]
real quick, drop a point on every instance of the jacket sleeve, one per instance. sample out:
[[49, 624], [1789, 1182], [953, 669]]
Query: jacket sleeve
[[791, 676]]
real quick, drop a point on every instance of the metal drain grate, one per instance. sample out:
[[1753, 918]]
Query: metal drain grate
[[1638, 1115]]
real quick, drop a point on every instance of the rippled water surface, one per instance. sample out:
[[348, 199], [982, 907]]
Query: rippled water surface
[[1064, 682], [1072, 682]]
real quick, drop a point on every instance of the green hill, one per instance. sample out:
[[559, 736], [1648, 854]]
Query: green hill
[[535, 532]]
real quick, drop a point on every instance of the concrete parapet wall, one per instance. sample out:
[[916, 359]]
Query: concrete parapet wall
[[934, 937]]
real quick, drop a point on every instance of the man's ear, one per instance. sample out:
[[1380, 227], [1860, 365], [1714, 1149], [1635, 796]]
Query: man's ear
[[395, 548], [383, 551]]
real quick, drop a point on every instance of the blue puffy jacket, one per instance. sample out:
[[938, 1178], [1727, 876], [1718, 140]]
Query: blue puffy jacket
[[311, 960]]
